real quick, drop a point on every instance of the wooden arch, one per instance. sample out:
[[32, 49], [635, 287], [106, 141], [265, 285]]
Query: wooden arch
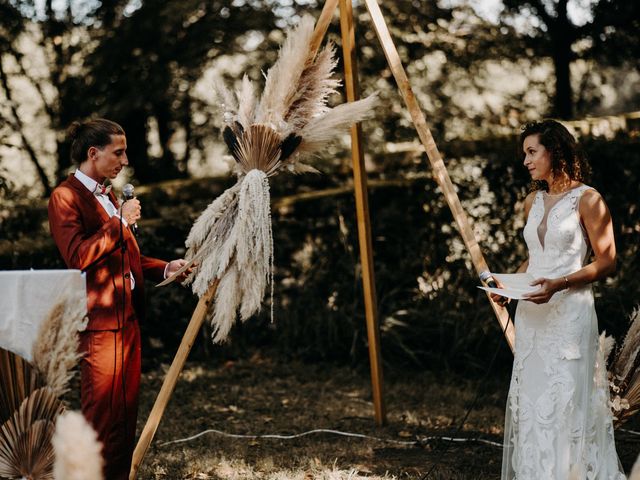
[[362, 210]]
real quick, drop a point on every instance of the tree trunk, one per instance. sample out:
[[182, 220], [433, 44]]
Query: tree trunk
[[563, 97], [167, 164], [135, 126], [562, 37], [19, 127]]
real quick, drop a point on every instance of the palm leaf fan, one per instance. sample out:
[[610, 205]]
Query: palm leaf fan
[[18, 379], [25, 439]]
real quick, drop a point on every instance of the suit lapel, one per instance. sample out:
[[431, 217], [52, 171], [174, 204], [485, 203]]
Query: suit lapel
[[114, 200], [88, 197]]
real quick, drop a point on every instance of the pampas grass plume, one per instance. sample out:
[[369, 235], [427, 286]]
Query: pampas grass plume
[[630, 346], [283, 77], [77, 449], [55, 351], [635, 471], [232, 240]]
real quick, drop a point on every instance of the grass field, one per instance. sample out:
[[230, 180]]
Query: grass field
[[259, 397]]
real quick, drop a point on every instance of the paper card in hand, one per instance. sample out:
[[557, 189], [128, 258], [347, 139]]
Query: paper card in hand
[[516, 285]]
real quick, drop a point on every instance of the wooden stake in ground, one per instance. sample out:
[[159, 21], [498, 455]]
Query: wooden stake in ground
[[169, 383], [362, 212], [439, 169]]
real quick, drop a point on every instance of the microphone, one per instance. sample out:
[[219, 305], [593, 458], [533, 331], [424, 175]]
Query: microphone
[[485, 277], [127, 193], [510, 305]]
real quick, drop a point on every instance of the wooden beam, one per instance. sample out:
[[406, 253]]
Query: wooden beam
[[169, 383], [435, 159], [362, 212], [322, 25]]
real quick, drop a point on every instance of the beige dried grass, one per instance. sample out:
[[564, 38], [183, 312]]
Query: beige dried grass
[[626, 358], [317, 85], [283, 78], [635, 471], [226, 305], [78, 453], [247, 102], [55, 351], [324, 129], [30, 397], [624, 374]]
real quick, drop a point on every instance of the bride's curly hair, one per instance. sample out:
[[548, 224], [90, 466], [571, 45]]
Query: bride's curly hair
[[566, 155]]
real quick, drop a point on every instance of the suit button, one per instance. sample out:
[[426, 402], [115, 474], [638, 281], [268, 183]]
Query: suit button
[[127, 275]]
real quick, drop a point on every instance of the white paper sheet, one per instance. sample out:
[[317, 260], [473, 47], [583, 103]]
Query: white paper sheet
[[516, 285]]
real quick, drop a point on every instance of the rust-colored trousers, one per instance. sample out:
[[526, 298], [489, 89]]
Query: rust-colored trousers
[[110, 383]]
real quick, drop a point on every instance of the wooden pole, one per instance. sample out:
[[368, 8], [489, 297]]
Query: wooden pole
[[171, 379], [362, 212], [322, 25], [439, 169]]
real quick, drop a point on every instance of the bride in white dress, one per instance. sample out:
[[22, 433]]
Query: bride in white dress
[[558, 424]]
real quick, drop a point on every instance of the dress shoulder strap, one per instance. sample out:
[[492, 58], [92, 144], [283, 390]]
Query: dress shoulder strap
[[576, 194]]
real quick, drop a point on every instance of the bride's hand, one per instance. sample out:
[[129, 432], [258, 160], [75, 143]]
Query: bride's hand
[[499, 299], [548, 287]]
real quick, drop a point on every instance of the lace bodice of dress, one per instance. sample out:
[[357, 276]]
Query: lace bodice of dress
[[555, 237], [558, 424]]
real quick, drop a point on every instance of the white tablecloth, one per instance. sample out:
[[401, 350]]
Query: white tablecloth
[[27, 297]]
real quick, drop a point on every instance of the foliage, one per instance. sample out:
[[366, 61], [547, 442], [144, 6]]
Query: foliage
[[147, 68], [609, 36], [151, 66], [431, 314]]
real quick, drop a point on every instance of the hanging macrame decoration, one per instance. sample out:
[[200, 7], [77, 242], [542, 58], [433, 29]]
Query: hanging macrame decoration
[[231, 240]]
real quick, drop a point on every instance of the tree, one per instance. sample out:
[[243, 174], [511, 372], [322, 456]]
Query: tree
[[613, 28], [12, 25], [145, 65]]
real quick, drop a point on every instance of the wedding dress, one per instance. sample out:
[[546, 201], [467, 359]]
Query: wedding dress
[[558, 425]]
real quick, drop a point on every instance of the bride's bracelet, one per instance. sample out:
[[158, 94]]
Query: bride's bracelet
[[566, 283]]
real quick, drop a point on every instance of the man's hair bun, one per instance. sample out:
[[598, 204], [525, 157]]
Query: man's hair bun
[[74, 130]]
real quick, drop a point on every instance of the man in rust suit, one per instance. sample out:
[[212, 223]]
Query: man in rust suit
[[92, 232]]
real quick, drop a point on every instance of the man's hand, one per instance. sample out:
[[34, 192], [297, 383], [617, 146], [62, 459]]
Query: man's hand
[[131, 211], [548, 287], [175, 265]]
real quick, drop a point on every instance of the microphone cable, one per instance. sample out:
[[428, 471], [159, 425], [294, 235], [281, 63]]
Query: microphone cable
[[123, 249], [476, 396]]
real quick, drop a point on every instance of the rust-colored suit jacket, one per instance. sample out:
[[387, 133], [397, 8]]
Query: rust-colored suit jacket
[[90, 241]]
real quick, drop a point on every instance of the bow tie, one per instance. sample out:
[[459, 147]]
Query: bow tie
[[102, 190]]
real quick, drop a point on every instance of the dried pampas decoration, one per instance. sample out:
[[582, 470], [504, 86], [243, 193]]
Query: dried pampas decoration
[[30, 394], [55, 351], [635, 471], [25, 439], [624, 373], [232, 240], [77, 449]]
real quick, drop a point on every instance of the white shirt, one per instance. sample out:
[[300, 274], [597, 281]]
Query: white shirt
[[104, 201]]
